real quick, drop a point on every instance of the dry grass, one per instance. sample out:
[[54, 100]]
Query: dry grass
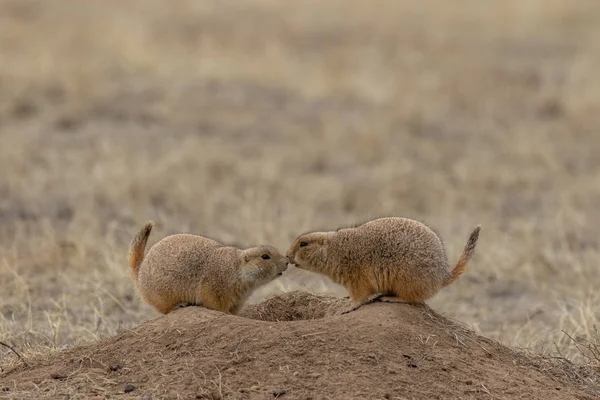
[[253, 122]]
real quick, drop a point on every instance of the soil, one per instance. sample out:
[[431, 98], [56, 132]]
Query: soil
[[292, 346]]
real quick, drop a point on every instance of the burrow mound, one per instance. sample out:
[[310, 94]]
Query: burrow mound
[[292, 346]]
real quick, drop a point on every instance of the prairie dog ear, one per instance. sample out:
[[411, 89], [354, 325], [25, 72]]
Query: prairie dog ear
[[246, 258]]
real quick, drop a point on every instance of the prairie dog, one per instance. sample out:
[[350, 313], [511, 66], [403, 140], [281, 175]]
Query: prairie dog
[[392, 256], [186, 269]]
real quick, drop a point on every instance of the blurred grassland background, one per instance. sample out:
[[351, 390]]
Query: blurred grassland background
[[252, 122]]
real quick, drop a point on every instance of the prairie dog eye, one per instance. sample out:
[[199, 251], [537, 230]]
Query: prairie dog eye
[[265, 257], [302, 244]]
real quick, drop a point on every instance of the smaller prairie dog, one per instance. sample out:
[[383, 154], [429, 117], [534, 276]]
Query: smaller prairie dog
[[185, 269], [392, 256]]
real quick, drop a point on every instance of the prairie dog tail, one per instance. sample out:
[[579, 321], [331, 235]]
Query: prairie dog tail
[[137, 247], [464, 258]]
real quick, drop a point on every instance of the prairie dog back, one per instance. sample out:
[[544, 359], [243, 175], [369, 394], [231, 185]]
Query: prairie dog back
[[163, 266], [389, 241]]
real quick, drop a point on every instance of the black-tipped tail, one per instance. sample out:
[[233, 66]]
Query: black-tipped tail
[[464, 258]]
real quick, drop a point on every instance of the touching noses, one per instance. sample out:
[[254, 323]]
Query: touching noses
[[290, 258]]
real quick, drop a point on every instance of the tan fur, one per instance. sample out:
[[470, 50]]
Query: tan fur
[[391, 256], [137, 247], [186, 269]]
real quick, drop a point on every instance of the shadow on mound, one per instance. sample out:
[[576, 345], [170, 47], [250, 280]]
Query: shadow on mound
[[294, 346]]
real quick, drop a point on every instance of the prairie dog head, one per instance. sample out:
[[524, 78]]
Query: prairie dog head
[[309, 251], [261, 264]]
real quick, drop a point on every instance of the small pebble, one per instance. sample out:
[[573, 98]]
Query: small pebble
[[128, 388], [279, 392], [115, 367]]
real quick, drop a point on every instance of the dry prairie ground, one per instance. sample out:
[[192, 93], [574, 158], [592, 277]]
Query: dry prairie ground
[[296, 345], [255, 121]]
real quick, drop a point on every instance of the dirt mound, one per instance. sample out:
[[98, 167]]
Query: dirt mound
[[294, 346]]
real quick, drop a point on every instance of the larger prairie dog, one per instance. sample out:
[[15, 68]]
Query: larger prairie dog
[[392, 256], [186, 269]]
